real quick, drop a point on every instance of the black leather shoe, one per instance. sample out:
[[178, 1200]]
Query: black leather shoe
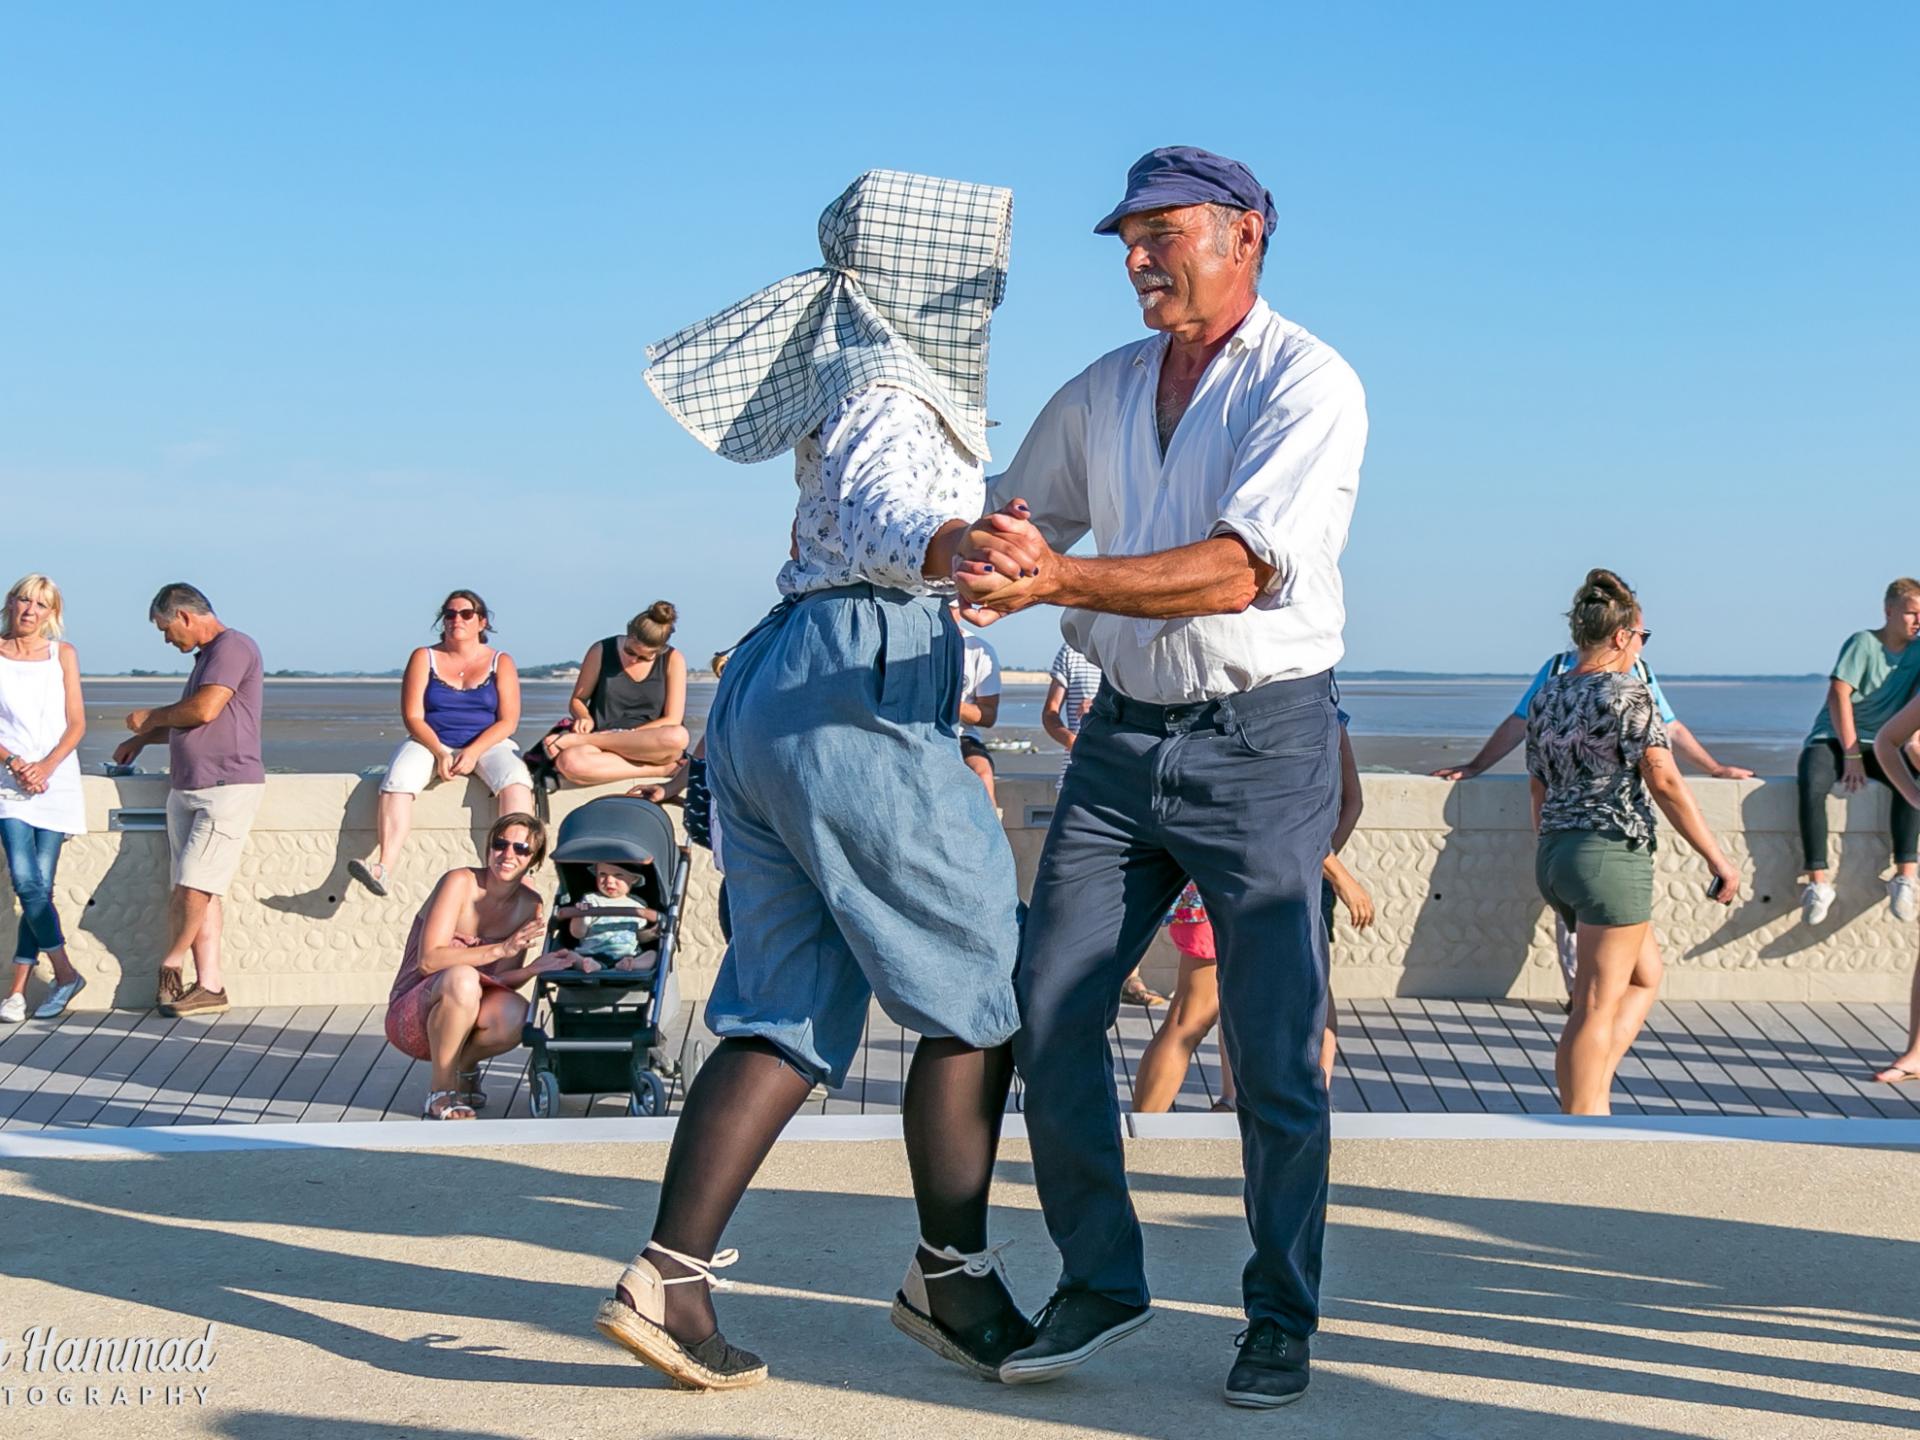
[[1271, 1369], [1075, 1326]]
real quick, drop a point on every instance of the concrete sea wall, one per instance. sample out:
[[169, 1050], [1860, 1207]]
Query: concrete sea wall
[[1450, 868]]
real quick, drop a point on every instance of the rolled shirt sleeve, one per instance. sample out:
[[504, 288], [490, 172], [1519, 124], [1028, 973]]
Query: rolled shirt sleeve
[[885, 458], [1285, 495], [1050, 470]]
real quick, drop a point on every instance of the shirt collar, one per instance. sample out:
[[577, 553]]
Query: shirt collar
[[1243, 339]]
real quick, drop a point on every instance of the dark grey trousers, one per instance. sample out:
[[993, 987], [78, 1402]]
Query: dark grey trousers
[[1241, 794]]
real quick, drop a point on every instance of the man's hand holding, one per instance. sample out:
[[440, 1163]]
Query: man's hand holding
[[1002, 564]]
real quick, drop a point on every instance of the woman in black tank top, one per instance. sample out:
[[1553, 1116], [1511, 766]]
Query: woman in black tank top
[[629, 706]]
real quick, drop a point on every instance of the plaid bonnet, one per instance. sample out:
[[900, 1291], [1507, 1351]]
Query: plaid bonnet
[[914, 269]]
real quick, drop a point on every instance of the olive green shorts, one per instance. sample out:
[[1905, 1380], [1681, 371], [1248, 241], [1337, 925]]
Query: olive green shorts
[[1594, 879]]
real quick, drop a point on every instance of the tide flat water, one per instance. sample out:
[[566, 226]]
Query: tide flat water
[[1408, 725]]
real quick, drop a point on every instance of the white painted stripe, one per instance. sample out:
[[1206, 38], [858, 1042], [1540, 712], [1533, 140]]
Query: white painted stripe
[[622, 1130]]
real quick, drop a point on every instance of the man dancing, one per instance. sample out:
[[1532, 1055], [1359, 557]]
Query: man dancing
[[1216, 464]]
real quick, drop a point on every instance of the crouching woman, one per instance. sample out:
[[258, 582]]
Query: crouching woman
[[455, 1001]]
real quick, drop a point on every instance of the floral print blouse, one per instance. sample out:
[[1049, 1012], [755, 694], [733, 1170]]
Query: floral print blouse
[[879, 478], [1586, 736]]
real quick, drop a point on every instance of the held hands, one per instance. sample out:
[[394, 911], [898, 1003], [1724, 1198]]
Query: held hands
[[582, 725], [32, 775], [443, 764], [462, 762], [1002, 564], [1455, 772]]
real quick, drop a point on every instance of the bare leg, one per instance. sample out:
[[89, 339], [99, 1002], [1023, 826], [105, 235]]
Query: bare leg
[[22, 971], [1584, 1061], [955, 1100], [1643, 988], [1907, 1064], [736, 1108], [496, 1030], [647, 754], [514, 800], [454, 1008], [188, 909], [1330, 1043], [396, 819], [63, 971], [206, 946], [984, 769], [1195, 1008], [590, 765]]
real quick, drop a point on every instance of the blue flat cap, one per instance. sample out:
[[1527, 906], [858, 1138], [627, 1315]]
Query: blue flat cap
[[1188, 175]]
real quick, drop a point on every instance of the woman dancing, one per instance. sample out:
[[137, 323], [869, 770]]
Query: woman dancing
[[862, 858]]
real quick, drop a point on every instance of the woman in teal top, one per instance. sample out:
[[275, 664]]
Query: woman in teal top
[[1878, 672]]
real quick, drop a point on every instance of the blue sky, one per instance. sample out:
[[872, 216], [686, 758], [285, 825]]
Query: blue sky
[[329, 309]]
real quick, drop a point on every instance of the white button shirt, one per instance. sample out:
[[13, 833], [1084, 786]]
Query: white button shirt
[[1268, 450]]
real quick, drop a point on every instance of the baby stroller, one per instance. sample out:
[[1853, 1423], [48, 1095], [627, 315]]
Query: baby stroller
[[590, 1034]]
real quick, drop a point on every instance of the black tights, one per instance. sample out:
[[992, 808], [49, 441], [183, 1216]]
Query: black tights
[[742, 1099]]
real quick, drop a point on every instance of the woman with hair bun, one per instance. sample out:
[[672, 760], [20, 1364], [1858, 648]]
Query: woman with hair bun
[[1596, 750], [629, 706]]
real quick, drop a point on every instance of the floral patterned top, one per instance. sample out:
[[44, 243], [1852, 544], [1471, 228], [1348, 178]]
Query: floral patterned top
[[880, 477], [1586, 736]]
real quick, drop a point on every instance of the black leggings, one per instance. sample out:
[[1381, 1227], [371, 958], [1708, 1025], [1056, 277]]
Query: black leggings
[[1819, 772]]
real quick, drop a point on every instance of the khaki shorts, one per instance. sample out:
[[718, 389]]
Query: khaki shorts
[[207, 830]]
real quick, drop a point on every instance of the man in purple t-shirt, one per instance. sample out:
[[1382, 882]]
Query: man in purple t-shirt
[[213, 741]]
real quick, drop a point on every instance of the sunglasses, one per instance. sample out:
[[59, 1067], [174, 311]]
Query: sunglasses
[[464, 612], [1645, 635], [519, 847]]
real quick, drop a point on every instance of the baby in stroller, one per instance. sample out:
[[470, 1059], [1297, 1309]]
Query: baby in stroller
[[607, 926]]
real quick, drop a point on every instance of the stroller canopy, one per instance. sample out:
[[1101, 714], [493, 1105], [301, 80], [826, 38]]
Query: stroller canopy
[[621, 830]]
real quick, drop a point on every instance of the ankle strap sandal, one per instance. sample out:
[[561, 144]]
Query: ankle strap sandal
[[980, 1346], [634, 1318]]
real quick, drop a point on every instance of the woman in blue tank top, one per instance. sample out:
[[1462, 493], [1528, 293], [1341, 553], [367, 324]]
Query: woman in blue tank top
[[460, 703]]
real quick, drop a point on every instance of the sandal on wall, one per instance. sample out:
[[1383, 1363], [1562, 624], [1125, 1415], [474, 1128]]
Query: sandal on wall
[[447, 1105], [374, 877]]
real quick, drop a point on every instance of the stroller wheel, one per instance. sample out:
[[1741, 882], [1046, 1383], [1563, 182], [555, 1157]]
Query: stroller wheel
[[543, 1094], [649, 1095]]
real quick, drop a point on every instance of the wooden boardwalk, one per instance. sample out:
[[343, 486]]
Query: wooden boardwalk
[[326, 1063]]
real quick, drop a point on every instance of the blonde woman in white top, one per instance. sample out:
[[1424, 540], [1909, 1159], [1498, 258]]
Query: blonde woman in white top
[[42, 718]]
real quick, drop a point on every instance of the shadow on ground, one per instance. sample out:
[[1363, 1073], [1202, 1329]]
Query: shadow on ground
[[1448, 1313]]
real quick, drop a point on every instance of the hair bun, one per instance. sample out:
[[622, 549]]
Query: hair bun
[[661, 612], [1602, 605]]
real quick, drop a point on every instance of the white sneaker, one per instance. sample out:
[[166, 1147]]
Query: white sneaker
[[1815, 902], [1903, 898], [59, 998], [13, 1009]]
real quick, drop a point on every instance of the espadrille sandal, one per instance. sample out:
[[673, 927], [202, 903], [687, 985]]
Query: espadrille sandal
[[634, 1318], [979, 1347]]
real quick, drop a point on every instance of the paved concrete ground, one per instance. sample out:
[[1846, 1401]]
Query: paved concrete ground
[[1589, 1290]]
